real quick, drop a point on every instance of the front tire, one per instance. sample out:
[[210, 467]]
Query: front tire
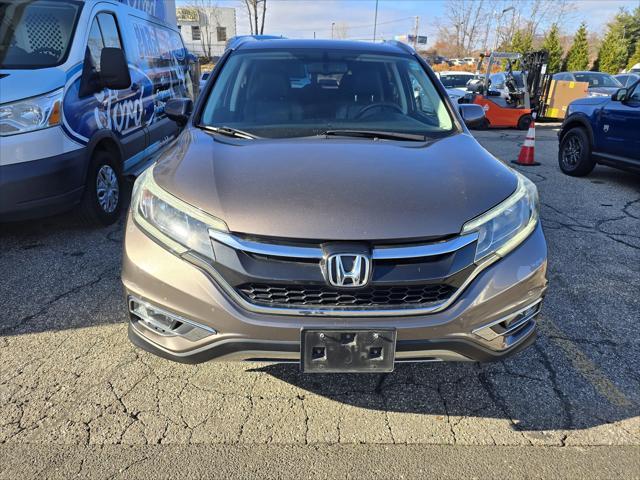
[[524, 122], [574, 154], [102, 199]]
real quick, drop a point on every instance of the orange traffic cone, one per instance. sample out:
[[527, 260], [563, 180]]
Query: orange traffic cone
[[527, 152]]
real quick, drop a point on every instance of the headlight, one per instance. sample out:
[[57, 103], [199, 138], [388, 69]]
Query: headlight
[[31, 114], [178, 225], [505, 226]]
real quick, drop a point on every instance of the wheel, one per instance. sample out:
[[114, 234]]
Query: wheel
[[524, 122], [574, 155], [484, 125], [102, 199]]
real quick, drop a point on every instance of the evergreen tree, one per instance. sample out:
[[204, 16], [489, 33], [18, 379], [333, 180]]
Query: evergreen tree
[[578, 55], [522, 42], [635, 58], [612, 56], [552, 45]]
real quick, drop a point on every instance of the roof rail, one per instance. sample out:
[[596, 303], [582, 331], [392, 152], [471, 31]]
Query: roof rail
[[235, 42], [407, 48]]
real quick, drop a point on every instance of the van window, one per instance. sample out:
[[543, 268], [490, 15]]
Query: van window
[[36, 33], [103, 33]]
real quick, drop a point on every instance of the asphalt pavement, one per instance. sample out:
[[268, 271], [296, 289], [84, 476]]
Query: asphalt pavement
[[76, 399]]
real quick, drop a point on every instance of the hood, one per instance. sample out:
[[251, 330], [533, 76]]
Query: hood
[[336, 189], [19, 84], [591, 101]]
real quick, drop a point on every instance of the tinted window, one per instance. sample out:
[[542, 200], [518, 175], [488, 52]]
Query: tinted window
[[109, 29], [36, 33], [452, 80], [103, 33], [597, 79], [305, 92]]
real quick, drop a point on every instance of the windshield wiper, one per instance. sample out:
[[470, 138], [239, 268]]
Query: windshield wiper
[[375, 134], [229, 132]]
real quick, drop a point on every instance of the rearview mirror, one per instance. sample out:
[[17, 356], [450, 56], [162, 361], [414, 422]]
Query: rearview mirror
[[472, 114], [114, 71], [179, 110], [620, 95]]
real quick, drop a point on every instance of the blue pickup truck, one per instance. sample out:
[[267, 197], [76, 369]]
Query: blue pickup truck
[[603, 130]]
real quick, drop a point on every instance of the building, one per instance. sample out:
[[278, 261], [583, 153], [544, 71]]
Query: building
[[205, 31]]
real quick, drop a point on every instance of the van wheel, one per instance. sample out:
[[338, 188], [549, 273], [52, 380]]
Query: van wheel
[[574, 155], [524, 122], [102, 199]]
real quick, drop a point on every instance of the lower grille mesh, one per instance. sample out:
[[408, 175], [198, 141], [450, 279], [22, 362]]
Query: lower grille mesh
[[377, 296]]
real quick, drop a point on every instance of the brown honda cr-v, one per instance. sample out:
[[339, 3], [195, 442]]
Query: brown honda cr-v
[[326, 204]]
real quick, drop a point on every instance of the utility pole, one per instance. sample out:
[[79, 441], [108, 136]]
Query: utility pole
[[415, 34], [333, 25], [375, 22]]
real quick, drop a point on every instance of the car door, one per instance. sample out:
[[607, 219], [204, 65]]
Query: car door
[[620, 124], [163, 60], [121, 110]]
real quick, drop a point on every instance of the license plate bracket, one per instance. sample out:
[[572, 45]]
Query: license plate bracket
[[347, 350]]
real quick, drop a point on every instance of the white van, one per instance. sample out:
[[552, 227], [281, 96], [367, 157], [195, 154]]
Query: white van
[[83, 85]]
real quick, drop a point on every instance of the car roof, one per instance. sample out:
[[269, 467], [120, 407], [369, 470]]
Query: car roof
[[286, 43]]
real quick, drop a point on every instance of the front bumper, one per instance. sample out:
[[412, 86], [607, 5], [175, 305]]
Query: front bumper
[[38, 188], [154, 275]]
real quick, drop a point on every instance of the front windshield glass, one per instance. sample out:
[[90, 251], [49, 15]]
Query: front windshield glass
[[36, 33], [455, 80], [598, 79], [299, 93]]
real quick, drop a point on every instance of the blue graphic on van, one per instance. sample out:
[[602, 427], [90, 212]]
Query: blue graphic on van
[[151, 7]]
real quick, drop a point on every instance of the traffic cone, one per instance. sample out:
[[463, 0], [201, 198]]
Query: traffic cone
[[527, 152]]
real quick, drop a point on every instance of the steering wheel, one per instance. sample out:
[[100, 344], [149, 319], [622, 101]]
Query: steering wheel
[[372, 106]]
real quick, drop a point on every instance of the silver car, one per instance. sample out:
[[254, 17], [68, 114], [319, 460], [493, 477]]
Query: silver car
[[346, 225]]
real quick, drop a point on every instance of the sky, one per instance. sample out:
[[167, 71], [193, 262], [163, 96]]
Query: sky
[[301, 18]]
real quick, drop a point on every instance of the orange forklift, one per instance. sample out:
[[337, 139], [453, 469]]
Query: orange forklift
[[512, 98]]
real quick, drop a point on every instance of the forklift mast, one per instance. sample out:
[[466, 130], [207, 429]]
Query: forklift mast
[[535, 64]]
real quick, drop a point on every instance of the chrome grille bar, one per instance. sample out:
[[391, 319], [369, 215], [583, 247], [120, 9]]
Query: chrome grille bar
[[378, 253]]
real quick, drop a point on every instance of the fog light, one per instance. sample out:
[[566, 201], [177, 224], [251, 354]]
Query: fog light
[[509, 325], [165, 323]]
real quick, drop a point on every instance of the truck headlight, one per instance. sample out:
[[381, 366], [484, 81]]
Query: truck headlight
[[31, 114], [505, 226], [176, 224]]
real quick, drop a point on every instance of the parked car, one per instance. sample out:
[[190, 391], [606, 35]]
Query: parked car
[[456, 83], [346, 228], [600, 84], [635, 68], [601, 130], [627, 79], [499, 83], [468, 61], [83, 87]]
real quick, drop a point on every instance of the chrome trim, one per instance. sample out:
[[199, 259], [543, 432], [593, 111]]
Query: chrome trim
[[177, 317], [207, 268], [379, 253], [426, 250], [486, 333]]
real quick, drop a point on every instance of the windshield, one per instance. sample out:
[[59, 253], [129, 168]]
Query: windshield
[[299, 93], [36, 33], [598, 79], [455, 80]]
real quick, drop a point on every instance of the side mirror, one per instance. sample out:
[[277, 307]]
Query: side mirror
[[114, 71], [472, 114], [179, 110], [620, 95]]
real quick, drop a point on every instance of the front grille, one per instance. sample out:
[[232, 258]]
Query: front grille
[[320, 296]]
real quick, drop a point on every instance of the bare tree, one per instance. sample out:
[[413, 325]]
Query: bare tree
[[464, 24], [207, 15], [255, 10]]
